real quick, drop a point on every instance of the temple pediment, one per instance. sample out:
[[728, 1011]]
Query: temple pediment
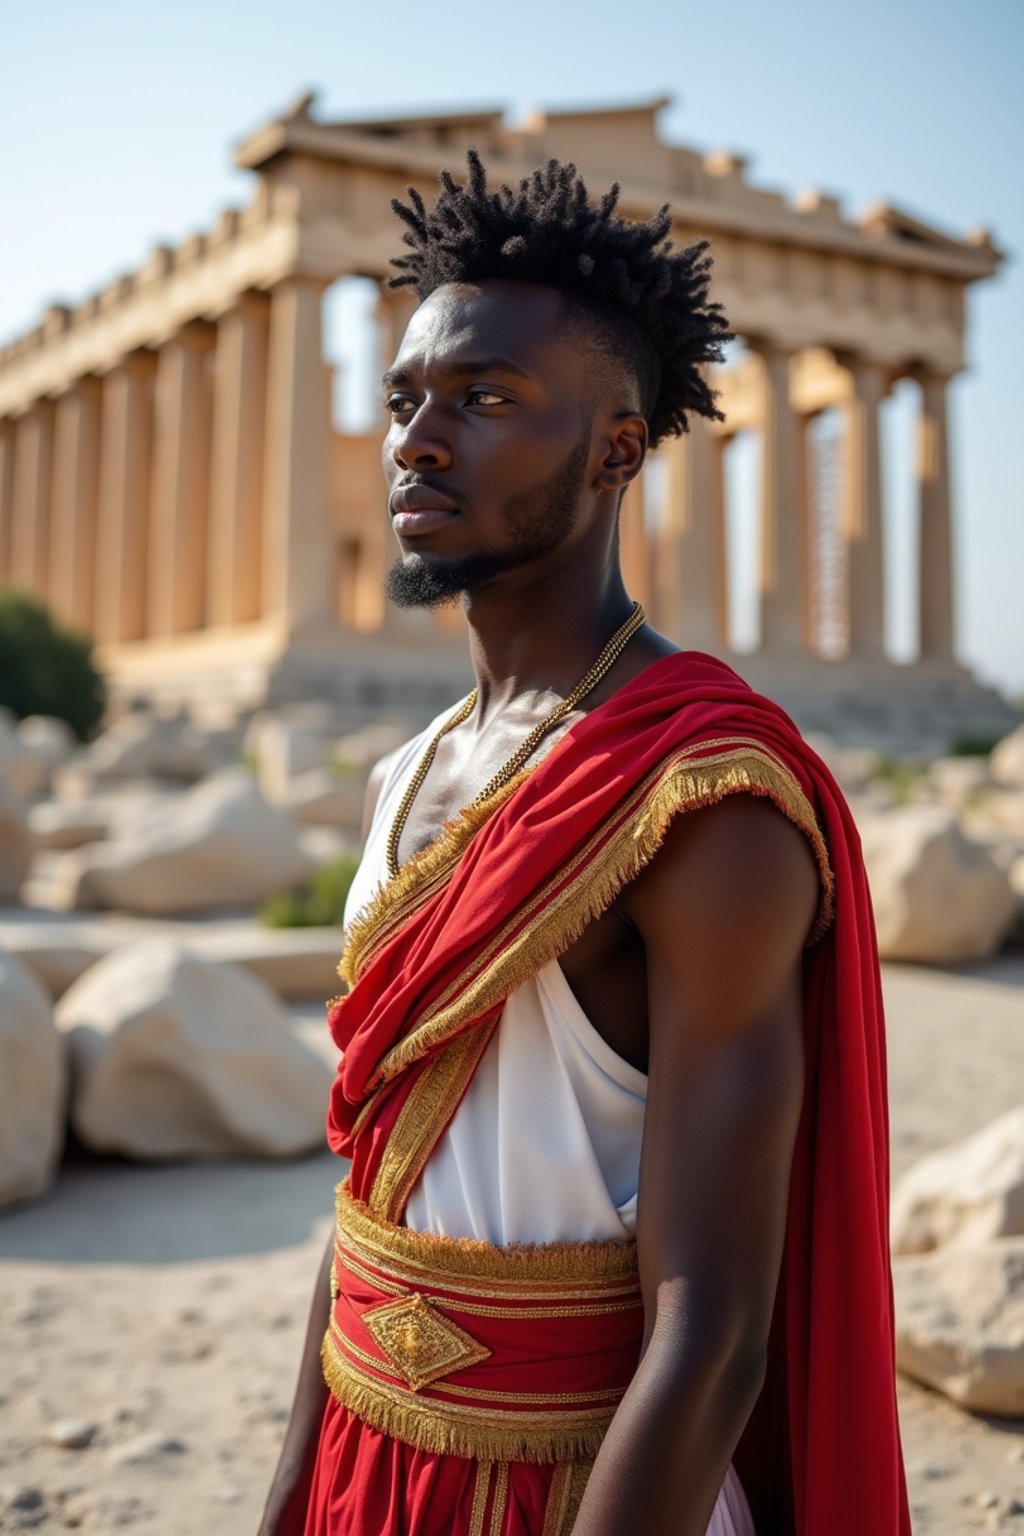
[[882, 219], [711, 193], [171, 481]]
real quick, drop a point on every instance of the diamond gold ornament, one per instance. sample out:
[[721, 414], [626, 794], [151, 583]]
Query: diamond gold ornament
[[420, 1343]]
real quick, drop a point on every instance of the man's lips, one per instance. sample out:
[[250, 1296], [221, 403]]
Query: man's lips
[[422, 521], [418, 509]]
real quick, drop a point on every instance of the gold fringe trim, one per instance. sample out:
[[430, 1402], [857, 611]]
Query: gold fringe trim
[[415, 882], [450, 1259], [450, 1429], [557, 914], [427, 1109]]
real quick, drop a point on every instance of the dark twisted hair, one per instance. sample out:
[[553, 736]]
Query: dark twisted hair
[[644, 301]]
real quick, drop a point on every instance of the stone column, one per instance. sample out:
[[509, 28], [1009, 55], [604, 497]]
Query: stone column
[[936, 610], [809, 574], [6, 497], [299, 555], [862, 510], [781, 582], [236, 484], [122, 525], [75, 489], [30, 522], [392, 311], [634, 550], [179, 530], [693, 575]]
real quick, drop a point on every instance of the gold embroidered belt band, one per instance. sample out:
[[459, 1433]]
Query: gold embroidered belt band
[[464, 1348]]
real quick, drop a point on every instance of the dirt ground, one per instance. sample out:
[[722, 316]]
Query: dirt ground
[[156, 1313]]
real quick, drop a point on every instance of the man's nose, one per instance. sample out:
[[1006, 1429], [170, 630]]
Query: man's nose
[[422, 443]]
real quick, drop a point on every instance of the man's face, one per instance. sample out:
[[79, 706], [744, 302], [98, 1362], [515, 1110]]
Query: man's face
[[487, 455]]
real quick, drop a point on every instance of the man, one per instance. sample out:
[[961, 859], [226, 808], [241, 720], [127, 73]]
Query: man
[[612, 1255]]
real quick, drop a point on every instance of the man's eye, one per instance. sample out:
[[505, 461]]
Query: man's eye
[[398, 404], [486, 397]]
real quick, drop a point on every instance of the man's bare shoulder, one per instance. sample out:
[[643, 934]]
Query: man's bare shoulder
[[379, 774], [726, 905]]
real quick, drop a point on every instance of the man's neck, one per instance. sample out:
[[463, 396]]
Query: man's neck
[[541, 638]]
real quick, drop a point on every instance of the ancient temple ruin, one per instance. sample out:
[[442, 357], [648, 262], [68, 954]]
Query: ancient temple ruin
[[170, 478]]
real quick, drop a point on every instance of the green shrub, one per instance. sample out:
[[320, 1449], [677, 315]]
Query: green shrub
[[344, 767], [973, 746], [902, 776], [320, 903], [45, 669]]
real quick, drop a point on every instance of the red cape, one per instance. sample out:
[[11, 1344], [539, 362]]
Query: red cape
[[821, 1452]]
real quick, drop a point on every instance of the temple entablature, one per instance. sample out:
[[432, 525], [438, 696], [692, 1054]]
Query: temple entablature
[[169, 468]]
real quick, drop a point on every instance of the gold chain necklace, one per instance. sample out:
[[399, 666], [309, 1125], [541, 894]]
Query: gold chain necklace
[[522, 754]]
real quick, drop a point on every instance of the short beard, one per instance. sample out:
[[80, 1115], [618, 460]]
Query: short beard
[[538, 520]]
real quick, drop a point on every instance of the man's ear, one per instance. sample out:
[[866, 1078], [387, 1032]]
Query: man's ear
[[625, 451]]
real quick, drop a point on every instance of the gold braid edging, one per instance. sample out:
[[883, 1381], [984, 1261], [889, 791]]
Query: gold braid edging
[[447, 1260], [450, 1429], [415, 882], [558, 913], [428, 1107], [500, 1506], [481, 1488], [565, 1496]]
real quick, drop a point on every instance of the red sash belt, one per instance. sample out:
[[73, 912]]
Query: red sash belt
[[459, 1347]]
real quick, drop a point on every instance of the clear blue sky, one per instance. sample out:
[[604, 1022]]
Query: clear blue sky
[[116, 121]]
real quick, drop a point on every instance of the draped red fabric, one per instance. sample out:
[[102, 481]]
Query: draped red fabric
[[821, 1453]]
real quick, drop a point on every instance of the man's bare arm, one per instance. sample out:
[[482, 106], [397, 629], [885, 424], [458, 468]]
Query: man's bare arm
[[294, 1468], [724, 911]]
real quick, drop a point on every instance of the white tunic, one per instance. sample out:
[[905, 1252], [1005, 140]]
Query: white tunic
[[545, 1143]]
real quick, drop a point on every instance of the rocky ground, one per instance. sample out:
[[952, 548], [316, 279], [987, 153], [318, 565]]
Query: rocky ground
[[152, 1316]]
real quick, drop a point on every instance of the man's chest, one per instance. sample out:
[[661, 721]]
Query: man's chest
[[605, 967]]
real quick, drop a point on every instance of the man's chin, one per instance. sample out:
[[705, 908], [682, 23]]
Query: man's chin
[[413, 582]]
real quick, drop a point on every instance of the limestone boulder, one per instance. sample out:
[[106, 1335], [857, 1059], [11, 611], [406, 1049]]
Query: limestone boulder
[[361, 750], [968, 1193], [960, 1324], [50, 741], [1017, 884], [174, 1055], [32, 1084], [64, 824], [955, 781], [217, 846], [141, 745], [20, 768], [287, 750], [324, 797], [15, 842], [938, 896], [996, 814], [1007, 760]]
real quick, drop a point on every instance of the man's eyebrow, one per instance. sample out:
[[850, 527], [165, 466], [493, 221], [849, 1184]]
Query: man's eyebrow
[[458, 369]]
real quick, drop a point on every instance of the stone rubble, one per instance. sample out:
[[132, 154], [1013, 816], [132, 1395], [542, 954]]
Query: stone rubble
[[175, 1056], [33, 1085], [965, 1194]]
